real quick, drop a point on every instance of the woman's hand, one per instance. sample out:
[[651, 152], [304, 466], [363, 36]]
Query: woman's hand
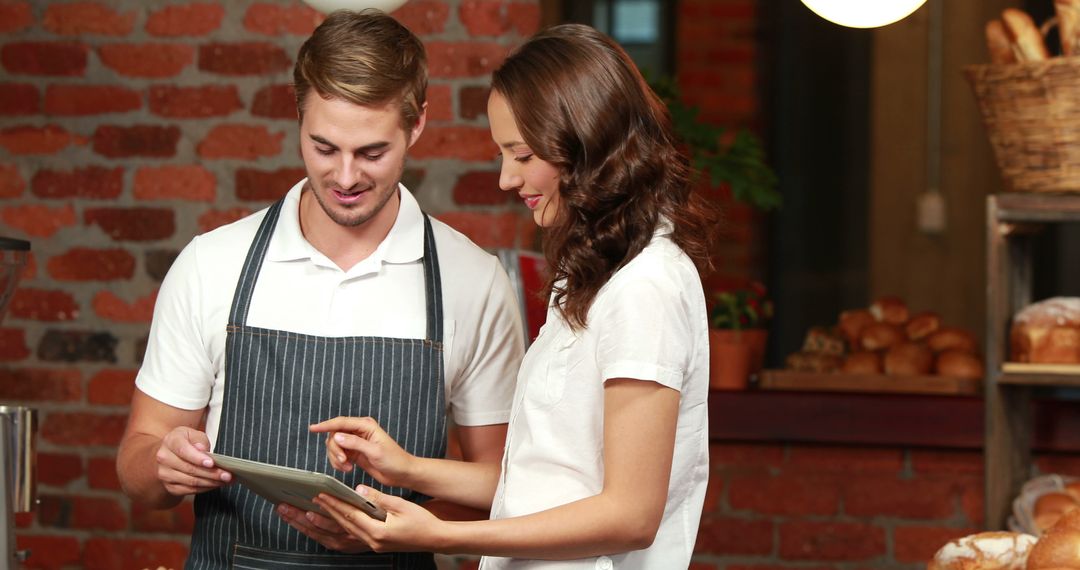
[[362, 442], [408, 526]]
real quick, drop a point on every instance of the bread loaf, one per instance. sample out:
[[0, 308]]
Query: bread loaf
[[948, 338], [1068, 15], [1024, 35], [908, 359], [879, 336], [998, 44], [922, 325], [820, 339], [958, 364], [1049, 507], [984, 551], [813, 362], [1057, 548], [851, 325], [1047, 332], [890, 310], [862, 363]]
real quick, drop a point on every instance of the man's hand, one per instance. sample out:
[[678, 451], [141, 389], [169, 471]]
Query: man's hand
[[184, 467], [362, 442], [321, 529]]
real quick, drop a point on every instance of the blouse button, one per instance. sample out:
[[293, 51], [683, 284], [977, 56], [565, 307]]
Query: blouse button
[[604, 563]]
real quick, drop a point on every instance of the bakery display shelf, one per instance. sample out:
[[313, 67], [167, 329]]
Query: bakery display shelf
[[1022, 373], [879, 383], [1042, 207]]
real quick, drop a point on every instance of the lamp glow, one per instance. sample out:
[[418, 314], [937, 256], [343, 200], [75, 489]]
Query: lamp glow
[[327, 6], [863, 13]]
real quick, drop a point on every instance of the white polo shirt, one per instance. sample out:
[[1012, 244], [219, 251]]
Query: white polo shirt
[[647, 323], [300, 290]]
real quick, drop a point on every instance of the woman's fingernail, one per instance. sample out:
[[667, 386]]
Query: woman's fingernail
[[362, 490], [339, 437], [310, 516]]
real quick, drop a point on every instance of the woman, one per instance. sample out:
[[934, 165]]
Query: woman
[[606, 456]]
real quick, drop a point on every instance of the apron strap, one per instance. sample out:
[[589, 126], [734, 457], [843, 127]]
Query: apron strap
[[433, 278], [245, 286]]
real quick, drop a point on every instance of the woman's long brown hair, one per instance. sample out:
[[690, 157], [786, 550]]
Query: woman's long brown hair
[[581, 105]]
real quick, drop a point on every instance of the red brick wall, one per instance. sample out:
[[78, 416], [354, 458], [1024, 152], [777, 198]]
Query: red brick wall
[[800, 506], [126, 129], [717, 71], [123, 132]]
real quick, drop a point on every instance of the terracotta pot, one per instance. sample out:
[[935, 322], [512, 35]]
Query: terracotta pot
[[733, 356]]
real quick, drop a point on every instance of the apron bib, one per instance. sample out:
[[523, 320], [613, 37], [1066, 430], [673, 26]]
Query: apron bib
[[278, 383]]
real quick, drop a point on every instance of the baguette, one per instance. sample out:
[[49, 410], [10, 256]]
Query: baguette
[[1025, 37], [998, 44], [1068, 15]]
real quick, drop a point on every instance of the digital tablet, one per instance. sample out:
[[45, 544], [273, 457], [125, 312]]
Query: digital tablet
[[293, 486]]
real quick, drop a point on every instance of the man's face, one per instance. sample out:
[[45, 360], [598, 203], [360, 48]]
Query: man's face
[[354, 156]]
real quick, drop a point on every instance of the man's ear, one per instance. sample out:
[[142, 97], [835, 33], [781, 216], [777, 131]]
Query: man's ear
[[421, 121]]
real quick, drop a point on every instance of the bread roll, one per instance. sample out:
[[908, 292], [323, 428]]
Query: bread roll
[[852, 323], [862, 363], [984, 551], [1073, 488], [879, 336], [1068, 520], [922, 325], [947, 338], [1068, 15], [1024, 35], [1058, 548], [958, 364], [813, 362], [908, 359], [819, 339], [1047, 332], [998, 44], [1049, 507], [890, 310]]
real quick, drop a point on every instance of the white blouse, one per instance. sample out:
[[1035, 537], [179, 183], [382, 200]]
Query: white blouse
[[647, 323]]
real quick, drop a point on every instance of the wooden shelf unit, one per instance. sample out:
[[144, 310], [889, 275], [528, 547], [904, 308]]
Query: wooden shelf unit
[[1011, 221]]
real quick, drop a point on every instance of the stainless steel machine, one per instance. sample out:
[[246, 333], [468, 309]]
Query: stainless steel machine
[[18, 427]]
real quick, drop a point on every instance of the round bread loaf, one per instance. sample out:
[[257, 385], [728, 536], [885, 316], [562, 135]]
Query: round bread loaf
[[984, 551], [879, 336], [947, 338], [1047, 332], [890, 310], [958, 364], [1057, 548], [908, 359], [922, 325], [864, 362], [852, 323], [1049, 507]]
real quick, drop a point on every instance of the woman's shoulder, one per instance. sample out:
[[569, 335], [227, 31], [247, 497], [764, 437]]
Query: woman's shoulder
[[660, 269]]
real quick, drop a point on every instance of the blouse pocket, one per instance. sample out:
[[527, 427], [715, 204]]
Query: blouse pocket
[[546, 384]]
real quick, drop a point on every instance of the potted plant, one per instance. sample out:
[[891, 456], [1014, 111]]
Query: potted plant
[[733, 159], [737, 334]]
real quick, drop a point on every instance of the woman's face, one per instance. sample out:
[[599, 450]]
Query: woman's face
[[536, 181]]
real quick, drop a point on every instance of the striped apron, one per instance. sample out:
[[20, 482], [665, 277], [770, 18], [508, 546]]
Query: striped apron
[[279, 382]]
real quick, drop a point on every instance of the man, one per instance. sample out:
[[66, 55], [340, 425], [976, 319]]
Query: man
[[341, 299]]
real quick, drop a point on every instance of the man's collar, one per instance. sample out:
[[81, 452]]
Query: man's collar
[[403, 244]]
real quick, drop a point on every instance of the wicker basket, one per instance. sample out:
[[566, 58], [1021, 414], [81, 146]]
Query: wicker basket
[[1032, 116]]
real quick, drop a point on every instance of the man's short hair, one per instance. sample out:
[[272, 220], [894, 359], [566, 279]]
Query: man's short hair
[[366, 58]]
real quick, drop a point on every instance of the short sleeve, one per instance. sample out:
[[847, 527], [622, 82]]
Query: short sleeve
[[176, 369], [483, 392], [642, 323]]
